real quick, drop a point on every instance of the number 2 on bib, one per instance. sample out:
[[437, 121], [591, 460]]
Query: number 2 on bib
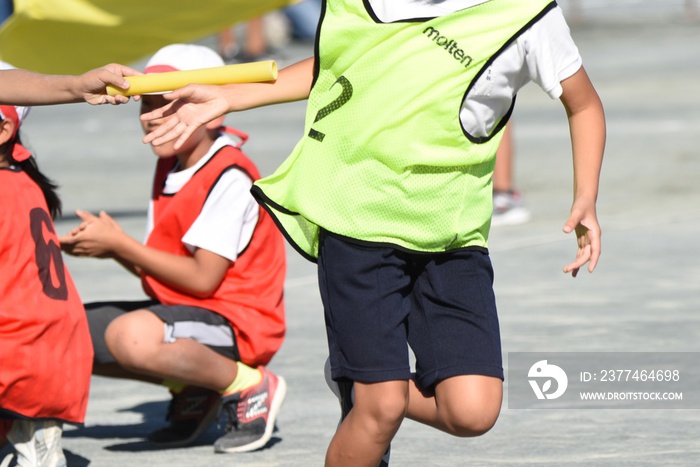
[[340, 101]]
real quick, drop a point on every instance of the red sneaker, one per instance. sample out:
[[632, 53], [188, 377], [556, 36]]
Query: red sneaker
[[251, 414]]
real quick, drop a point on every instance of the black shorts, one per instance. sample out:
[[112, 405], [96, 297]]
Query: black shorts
[[379, 300], [181, 322]]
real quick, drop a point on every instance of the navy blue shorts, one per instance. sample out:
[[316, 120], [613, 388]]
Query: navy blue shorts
[[379, 300]]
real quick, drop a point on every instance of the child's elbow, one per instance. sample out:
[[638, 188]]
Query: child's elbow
[[201, 294], [204, 288]]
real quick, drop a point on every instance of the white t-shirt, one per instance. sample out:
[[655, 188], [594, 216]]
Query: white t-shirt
[[546, 50], [229, 215]]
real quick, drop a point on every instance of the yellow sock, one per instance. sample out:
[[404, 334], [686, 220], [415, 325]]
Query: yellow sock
[[174, 386], [245, 378]]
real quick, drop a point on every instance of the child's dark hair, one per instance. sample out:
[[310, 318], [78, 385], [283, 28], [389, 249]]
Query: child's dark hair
[[30, 167]]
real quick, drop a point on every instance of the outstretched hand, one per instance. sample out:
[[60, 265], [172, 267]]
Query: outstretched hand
[[191, 107], [92, 85], [96, 236], [585, 223]]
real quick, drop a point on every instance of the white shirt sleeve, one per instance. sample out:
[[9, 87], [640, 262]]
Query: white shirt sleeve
[[550, 52], [545, 53], [229, 216]]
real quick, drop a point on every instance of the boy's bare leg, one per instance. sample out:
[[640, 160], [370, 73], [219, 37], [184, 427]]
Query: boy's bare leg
[[113, 370], [462, 406], [136, 342], [363, 437]]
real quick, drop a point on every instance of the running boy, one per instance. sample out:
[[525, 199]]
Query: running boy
[[45, 344], [214, 266], [390, 192]]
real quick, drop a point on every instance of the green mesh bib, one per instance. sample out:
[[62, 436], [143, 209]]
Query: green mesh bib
[[384, 158]]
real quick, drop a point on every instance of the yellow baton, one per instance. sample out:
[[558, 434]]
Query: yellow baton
[[253, 72]]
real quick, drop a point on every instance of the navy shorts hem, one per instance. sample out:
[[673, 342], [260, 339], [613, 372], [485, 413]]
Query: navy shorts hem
[[378, 376], [432, 378]]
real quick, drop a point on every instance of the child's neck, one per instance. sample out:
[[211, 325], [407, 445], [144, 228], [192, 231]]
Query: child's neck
[[190, 158]]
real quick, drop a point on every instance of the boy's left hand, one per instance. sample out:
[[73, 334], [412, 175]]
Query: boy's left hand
[[585, 223]]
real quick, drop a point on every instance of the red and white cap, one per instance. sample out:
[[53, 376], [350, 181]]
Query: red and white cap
[[16, 114], [180, 57]]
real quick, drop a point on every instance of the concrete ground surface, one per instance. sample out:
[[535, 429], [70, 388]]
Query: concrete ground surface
[[644, 296]]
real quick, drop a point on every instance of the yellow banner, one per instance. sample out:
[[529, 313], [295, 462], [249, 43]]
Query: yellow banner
[[73, 36]]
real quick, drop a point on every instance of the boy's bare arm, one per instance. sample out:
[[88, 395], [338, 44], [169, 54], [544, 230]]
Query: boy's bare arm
[[587, 126], [199, 275], [22, 87], [102, 237], [195, 105]]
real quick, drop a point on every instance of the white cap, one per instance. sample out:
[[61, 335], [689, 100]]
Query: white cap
[[180, 57]]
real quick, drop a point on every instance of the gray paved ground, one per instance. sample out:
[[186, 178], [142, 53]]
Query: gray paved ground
[[643, 297]]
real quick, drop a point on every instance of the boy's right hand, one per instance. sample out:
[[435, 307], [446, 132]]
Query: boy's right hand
[[92, 84], [191, 107]]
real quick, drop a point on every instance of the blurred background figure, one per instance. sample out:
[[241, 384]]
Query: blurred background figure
[[260, 38], [254, 47], [508, 206], [303, 19], [6, 9]]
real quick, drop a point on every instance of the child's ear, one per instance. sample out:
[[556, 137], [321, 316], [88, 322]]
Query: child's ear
[[216, 123], [7, 129]]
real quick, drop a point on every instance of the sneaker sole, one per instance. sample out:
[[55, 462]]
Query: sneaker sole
[[275, 407]]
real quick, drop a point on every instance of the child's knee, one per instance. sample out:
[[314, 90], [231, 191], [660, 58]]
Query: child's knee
[[470, 424], [128, 343], [118, 341], [469, 406], [390, 412], [386, 407]]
